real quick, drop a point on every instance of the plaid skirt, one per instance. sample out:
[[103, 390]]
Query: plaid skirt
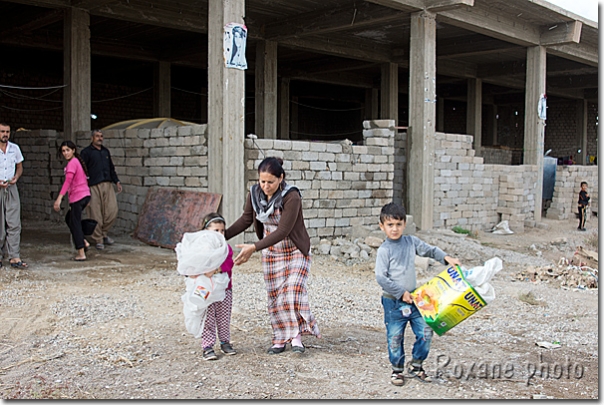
[[286, 272]]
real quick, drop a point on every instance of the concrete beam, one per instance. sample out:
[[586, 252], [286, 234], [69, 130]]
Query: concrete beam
[[361, 50], [578, 52], [154, 16], [436, 6], [562, 33], [487, 21], [331, 20]]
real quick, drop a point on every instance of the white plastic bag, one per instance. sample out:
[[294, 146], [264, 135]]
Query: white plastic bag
[[200, 252], [479, 278], [200, 293]]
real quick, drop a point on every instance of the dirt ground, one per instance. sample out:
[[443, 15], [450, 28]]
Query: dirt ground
[[112, 328]]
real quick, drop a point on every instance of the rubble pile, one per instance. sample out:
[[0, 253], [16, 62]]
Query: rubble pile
[[580, 272]]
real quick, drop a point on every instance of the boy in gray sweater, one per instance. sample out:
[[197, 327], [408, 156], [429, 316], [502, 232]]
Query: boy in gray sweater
[[395, 273]]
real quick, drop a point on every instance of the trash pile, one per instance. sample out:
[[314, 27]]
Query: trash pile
[[580, 272]]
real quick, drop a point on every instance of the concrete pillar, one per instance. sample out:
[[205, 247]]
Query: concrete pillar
[[422, 114], [495, 124], [474, 112], [389, 92], [162, 91], [440, 114], [226, 115], [582, 131], [284, 95], [372, 104], [76, 72], [266, 89], [534, 127], [294, 119]]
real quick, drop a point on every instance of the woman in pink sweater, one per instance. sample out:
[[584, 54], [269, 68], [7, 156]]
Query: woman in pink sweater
[[76, 185]]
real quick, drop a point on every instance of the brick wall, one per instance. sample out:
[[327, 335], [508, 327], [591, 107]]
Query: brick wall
[[567, 187], [42, 173], [494, 155], [343, 186], [561, 129], [477, 196], [400, 173]]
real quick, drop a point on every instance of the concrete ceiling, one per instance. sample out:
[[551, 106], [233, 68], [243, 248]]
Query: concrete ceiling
[[335, 41]]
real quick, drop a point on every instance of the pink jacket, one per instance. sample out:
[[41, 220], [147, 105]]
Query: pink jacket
[[227, 267], [76, 183]]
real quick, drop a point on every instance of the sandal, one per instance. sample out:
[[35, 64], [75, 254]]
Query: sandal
[[397, 378], [19, 265], [420, 374], [78, 259], [276, 350]]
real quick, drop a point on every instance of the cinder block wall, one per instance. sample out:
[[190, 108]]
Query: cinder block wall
[[495, 156], [43, 173], [567, 187], [343, 186], [144, 158], [474, 195]]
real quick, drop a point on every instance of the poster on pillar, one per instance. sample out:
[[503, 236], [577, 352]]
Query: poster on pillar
[[235, 37]]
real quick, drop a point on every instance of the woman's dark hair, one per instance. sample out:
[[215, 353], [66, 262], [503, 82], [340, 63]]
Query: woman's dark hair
[[212, 217], [73, 147], [272, 165]]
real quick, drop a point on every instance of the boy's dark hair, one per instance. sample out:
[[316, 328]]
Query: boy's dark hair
[[212, 217], [583, 182], [393, 211]]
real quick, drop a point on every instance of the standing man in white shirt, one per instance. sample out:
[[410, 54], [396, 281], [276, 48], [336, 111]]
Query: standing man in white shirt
[[11, 168]]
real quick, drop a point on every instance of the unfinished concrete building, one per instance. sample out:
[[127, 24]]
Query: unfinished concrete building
[[437, 104]]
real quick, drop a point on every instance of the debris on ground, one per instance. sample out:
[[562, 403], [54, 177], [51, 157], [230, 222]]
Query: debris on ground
[[566, 273]]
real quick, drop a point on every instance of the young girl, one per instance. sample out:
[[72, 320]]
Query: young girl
[[219, 313], [76, 184]]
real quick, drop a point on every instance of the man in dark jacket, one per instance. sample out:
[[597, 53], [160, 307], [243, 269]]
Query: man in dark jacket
[[103, 202]]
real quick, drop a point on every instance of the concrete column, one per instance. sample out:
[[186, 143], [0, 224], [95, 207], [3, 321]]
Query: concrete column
[[266, 89], [440, 115], [474, 112], [495, 124], [294, 119], [389, 92], [582, 131], [76, 72], [422, 114], [162, 91], [226, 115], [534, 127], [284, 95]]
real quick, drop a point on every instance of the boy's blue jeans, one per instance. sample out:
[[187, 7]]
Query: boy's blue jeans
[[396, 323]]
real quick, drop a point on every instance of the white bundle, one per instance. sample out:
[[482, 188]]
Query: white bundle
[[479, 278], [200, 252]]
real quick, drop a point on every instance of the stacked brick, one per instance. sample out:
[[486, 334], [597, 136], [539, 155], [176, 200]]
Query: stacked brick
[[516, 202], [42, 174], [170, 157], [343, 186], [400, 164], [496, 156], [567, 187], [465, 189]]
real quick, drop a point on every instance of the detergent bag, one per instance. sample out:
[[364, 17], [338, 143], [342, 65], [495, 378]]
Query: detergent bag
[[449, 298]]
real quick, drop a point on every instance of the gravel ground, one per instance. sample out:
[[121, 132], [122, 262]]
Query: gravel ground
[[112, 328]]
